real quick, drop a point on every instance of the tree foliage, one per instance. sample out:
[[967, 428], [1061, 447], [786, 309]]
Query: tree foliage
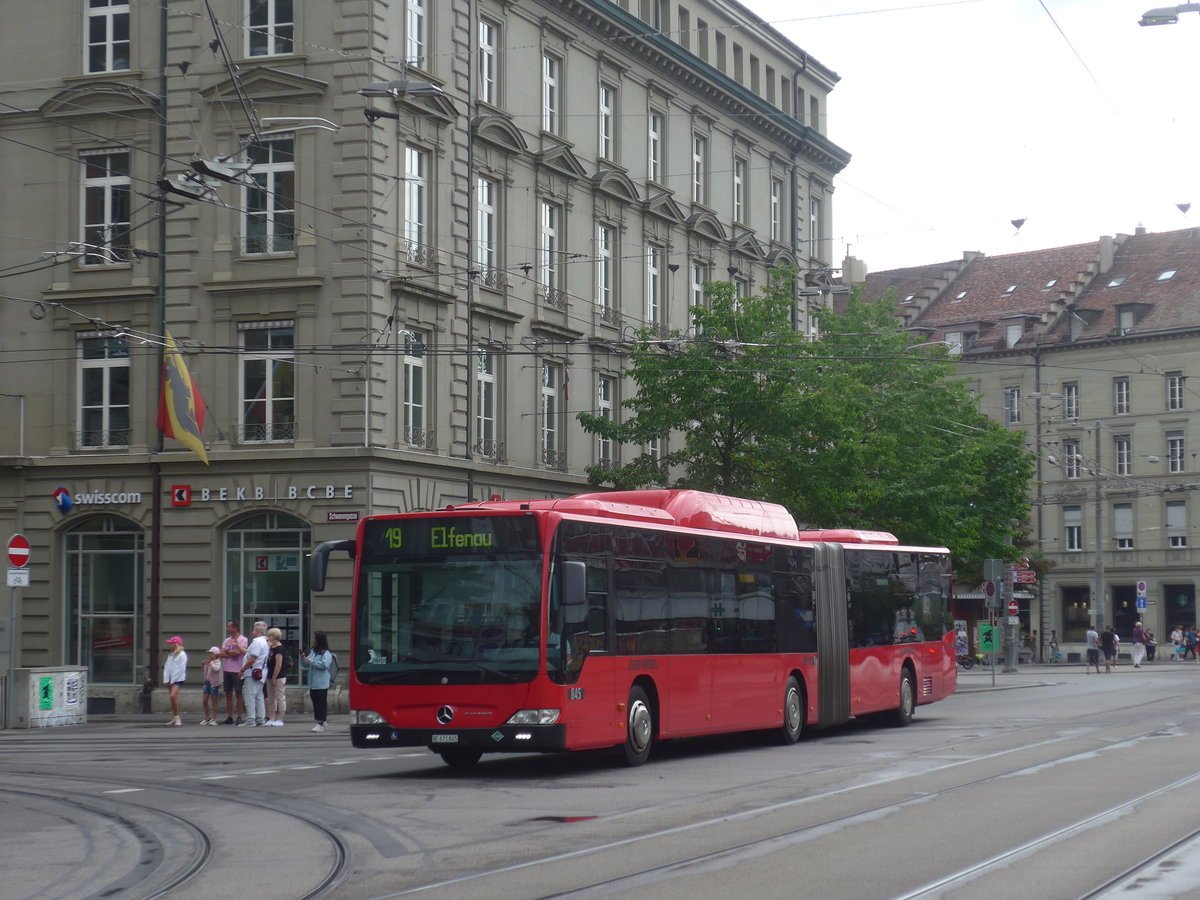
[[862, 428]]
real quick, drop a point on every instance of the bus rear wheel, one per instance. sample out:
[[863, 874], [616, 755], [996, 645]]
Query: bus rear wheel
[[460, 757], [793, 712], [903, 714], [639, 728]]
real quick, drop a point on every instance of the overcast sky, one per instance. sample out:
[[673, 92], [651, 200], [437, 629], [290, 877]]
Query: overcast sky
[[962, 116]]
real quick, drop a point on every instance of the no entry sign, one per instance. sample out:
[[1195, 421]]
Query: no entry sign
[[18, 550]]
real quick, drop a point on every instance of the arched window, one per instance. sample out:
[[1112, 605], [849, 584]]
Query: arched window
[[103, 598], [265, 575]]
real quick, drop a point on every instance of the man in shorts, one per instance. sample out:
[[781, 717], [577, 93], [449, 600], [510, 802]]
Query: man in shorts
[[233, 652]]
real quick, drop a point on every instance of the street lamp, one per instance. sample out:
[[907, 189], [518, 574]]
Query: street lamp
[[1167, 15]]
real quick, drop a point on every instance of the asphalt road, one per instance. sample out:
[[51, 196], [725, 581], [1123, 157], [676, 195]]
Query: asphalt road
[[1052, 784]]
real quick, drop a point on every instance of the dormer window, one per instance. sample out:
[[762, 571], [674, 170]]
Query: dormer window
[[1118, 281], [1009, 290], [960, 296], [1049, 284], [1167, 275]]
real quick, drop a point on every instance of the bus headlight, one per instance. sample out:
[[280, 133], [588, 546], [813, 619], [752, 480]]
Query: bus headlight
[[366, 717], [533, 717]]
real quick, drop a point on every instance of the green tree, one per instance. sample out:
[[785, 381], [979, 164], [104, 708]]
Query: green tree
[[861, 428]]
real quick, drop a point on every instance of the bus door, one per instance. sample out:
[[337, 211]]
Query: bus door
[[833, 638]]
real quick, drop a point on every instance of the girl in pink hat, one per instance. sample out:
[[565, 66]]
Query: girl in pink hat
[[174, 672]]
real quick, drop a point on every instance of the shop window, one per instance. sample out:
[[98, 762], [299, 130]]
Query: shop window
[[105, 556]]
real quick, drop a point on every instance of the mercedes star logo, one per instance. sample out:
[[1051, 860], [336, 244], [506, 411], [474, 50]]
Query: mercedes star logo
[[445, 715]]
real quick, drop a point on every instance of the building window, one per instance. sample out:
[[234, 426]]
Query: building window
[[106, 189], [1072, 461], [103, 587], [607, 124], [1123, 525], [1073, 527], [814, 227], [699, 167], [1070, 390], [654, 145], [486, 228], [776, 209], [739, 190], [268, 383], [416, 205], [1125, 319], [487, 442], [606, 393], [416, 433], [107, 36], [654, 266], [1175, 384], [269, 202], [1122, 455], [489, 42], [1177, 530], [551, 65], [1012, 405], [272, 28], [1176, 452], [1013, 334], [416, 34], [1122, 398], [954, 341], [549, 271], [552, 452], [698, 277], [604, 266], [103, 392], [265, 556]]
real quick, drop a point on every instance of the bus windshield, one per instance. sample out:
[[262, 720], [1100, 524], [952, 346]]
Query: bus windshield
[[449, 601]]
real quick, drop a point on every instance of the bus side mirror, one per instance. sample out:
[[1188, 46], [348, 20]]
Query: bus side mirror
[[574, 583], [320, 560]]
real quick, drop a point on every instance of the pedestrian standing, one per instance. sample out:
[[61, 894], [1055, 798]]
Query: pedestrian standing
[[174, 673], [254, 676], [1093, 650], [214, 678], [233, 651], [320, 663], [1108, 643], [277, 668], [1139, 645]]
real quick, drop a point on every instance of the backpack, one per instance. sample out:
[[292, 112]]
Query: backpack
[[333, 667]]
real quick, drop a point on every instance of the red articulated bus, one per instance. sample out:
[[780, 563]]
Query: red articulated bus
[[621, 619]]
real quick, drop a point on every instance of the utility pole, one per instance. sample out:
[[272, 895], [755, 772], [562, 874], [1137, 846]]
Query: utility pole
[[1098, 586]]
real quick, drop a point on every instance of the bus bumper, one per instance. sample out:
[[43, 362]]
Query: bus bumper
[[502, 739]]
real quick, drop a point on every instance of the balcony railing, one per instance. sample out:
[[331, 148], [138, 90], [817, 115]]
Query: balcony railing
[[554, 459], [421, 438], [422, 255], [493, 450], [92, 439], [264, 434], [556, 298], [494, 279], [264, 244]]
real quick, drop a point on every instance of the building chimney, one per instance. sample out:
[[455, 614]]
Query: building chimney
[[854, 271]]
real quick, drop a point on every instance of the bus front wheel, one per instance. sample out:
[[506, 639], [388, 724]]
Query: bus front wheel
[[460, 757], [639, 728], [793, 712], [903, 714]]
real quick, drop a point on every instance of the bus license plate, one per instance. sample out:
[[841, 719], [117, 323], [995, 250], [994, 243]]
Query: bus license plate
[[445, 739]]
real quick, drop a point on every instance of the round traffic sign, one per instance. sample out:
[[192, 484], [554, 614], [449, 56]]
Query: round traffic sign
[[1013, 608], [18, 550]]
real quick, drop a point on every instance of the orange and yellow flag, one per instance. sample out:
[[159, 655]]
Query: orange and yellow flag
[[181, 408]]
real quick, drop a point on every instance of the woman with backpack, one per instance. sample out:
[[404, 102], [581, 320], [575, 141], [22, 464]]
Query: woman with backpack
[[322, 669]]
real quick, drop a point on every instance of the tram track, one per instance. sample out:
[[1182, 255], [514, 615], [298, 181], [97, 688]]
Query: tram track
[[1081, 744], [142, 887]]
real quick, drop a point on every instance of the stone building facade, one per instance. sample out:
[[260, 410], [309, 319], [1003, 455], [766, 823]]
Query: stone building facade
[[399, 246]]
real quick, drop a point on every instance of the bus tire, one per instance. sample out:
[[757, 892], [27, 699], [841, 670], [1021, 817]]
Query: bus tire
[[902, 715], [793, 712], [460, 757], [639, 728]]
